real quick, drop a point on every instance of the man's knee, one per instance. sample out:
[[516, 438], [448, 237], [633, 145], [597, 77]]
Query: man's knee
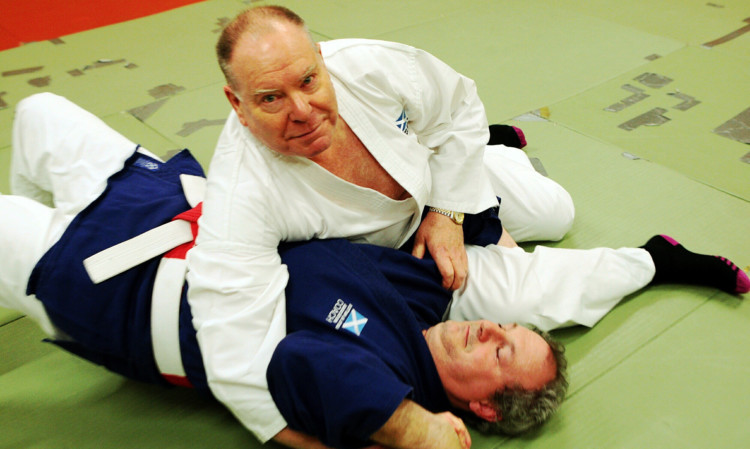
[[32, 114], [34, 107], [558, 220], [544, 218]]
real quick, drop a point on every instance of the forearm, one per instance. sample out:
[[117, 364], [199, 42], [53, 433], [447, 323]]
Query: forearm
[[454, 126], [298, 440], [413, 427], [237, 330]]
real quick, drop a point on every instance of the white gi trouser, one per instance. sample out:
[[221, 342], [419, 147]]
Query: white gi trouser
[[63, 156], [533, 207], [550, 287]]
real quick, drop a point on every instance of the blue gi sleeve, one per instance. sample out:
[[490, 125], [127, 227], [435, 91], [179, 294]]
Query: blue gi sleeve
[[333, 390]]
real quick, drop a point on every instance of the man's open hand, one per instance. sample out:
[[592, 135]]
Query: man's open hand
[[413, 427], [464, 439]]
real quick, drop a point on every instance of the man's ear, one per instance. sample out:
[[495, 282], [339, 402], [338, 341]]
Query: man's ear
[[485, 410], [235, 102]]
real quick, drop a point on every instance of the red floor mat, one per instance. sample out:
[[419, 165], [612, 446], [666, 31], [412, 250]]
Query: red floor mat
[[37, 20]]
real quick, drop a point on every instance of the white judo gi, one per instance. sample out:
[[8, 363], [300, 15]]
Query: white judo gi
[[64, 154]]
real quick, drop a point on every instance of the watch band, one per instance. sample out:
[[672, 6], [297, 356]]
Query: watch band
[[457, 217]]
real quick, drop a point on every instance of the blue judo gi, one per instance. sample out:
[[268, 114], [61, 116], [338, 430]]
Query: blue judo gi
[[354, 349], [109, 323]]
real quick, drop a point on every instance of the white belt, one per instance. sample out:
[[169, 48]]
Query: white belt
[[165, 318], [169, 281], [117, 259]]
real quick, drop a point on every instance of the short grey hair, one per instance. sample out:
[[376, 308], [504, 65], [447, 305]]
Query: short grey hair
[[524, 410]]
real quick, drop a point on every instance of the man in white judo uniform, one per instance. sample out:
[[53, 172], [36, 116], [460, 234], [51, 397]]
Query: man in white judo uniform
[[343, 139]]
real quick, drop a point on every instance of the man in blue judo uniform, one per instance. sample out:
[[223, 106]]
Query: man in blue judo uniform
[[366, 338]]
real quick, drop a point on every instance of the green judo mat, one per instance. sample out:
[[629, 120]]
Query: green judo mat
[[641, 110]]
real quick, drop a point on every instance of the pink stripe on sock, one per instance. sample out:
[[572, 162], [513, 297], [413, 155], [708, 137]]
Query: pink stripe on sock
[[670, 239], [521, 136], [743, 282]]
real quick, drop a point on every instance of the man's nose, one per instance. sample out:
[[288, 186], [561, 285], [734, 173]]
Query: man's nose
[[490, 331], [300, 107]]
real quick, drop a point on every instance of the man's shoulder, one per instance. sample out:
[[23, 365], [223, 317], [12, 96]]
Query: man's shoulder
[[234, 138], [238, 154], [347, 47], [369, 67]]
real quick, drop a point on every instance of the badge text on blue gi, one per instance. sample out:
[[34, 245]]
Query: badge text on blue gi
[[146, 163], [346, 317]]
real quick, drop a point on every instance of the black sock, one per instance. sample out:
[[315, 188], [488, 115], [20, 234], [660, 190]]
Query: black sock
[[675, 264], [507, 135]]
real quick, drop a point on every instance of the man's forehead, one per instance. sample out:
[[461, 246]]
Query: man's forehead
[[270, 36], [274, 66], [535, 357], [533, 343], [274, 50]]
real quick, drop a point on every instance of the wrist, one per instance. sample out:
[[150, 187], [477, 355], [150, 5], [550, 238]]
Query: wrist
[[457, 217]]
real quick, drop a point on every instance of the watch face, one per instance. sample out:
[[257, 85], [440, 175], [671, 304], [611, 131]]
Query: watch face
[[458, 217]]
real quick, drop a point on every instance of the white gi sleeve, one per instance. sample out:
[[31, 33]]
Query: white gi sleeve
[[449, 118], [236, 290], [444, 113]]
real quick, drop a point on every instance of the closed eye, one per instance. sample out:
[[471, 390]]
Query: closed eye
[[505, 353]]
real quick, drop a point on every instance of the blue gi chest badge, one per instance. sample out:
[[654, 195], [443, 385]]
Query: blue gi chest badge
[[148, 164], [345, 316]]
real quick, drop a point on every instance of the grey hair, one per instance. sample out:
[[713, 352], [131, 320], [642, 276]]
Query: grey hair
[[524, 410], [248, 21]]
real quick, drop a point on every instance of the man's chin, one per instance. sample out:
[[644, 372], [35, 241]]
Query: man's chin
[[315, 147]]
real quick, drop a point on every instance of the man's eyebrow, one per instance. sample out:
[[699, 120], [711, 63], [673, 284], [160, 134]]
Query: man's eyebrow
[[309, 71], [512, 349], [259, 92], [511, 344]]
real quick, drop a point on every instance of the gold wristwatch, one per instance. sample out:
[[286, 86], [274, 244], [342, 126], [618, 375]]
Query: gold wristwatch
[[457, 217]]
